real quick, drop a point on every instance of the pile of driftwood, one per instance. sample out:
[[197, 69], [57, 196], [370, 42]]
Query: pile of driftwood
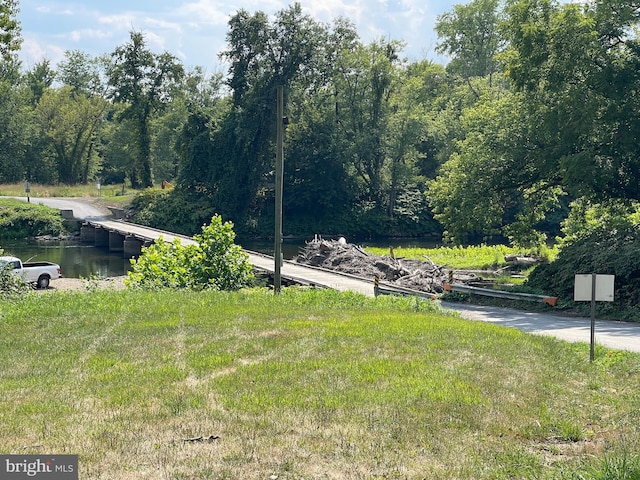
[[338, 255]]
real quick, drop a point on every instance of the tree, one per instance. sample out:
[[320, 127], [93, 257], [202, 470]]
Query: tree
[[83, 73], [365, 80], [16, 133], [470, 35], [569, 128], [39, 79], [488, 186], [198, 92], [10, 30], [70, 122], [262, 55], [144, 82], [578, 66]]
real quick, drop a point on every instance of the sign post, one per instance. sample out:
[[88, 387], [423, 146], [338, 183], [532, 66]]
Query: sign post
[[593, 288]]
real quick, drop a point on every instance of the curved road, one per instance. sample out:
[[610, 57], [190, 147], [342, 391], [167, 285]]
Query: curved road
[[614, 335], [610, 334], [82, 208]]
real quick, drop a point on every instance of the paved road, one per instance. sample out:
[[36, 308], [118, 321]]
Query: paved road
[[615, 335], [82, 209]]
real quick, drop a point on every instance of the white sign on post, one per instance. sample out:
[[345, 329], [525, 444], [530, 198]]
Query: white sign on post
[[593, 288], [583, 288]]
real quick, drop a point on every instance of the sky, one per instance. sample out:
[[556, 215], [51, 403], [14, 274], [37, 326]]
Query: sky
[[195, 30]]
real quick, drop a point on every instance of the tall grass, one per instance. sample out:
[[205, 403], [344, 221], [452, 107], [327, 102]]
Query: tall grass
[[307, 384], [474, 257], [113, 192]]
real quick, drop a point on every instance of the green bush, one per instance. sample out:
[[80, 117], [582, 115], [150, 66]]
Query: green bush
[[177, 210], [602, 251], [216, 262], [10, 284], [23, 220]]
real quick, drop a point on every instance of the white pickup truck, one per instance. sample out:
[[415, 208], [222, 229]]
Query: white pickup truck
[[38, 273]]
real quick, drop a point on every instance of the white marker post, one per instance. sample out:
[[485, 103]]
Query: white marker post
[[593, 288]]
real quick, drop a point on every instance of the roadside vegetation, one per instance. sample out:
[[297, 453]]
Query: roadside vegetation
[[22, 220], [471, 257], [306, 384], [111, 193], [10, 285], [214, 262]]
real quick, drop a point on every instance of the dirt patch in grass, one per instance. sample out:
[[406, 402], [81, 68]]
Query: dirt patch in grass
[[79, 284]]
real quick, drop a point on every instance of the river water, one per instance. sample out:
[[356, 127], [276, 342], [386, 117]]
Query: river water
[[78, 260]]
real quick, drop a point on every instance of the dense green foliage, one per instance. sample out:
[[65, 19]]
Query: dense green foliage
[[608, 249], [143, 82], [214, 262], [22, 220], [535, 111], [181, 211], [599, 238]]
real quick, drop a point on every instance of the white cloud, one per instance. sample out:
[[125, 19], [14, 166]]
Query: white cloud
[[203, 12], [195, 30], [33, 51], [329, 10], [116, 20], [88, 33]]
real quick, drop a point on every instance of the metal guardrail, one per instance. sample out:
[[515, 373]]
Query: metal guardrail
[[400, 291], [489, 292]]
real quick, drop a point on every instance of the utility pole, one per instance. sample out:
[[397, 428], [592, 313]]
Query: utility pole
[[277, 276]]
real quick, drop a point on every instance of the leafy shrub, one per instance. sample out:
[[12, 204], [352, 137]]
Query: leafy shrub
[[23, 220], [586, 217], [602, 251], [10, 284], [175, 210], [216, 262]]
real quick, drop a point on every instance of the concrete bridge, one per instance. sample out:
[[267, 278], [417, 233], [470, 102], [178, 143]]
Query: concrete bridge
[[128, 239]]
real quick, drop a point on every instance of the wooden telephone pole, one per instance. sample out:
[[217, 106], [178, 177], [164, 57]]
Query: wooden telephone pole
[[277, 275]]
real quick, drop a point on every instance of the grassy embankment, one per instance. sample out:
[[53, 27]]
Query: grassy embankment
[[306, 385], [108, 193], [475, 257]]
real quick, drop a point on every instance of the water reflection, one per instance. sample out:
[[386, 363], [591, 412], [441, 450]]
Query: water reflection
[[75, 259]]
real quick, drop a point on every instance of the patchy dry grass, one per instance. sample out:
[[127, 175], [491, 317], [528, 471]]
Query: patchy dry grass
[[305, 385]]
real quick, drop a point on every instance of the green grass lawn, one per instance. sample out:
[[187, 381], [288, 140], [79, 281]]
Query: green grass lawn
[[305, 385]]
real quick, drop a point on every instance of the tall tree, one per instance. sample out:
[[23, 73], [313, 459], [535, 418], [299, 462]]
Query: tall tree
[[262, 55], [16, 134], [579, 66], [144, 82], [71, 122], [39, 79], [10, 30], [470, 35], [83, 73], [365, 81]]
